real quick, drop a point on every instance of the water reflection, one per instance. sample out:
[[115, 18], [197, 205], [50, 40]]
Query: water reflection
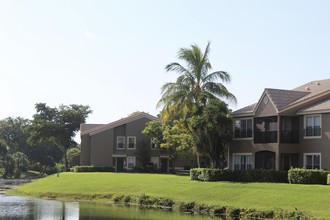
[[15, 207]]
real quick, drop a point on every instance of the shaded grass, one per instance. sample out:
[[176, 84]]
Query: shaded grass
[[312, 199]]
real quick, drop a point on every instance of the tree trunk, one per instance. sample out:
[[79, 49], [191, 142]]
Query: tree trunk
[[198, 162], [66, 160]]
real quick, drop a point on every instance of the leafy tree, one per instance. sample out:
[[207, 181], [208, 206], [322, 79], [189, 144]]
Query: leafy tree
[[72, 152], [172, 136], [45, 155], [188, 98], [212, 129], [13, 147], [154, 130], [58, 125], [13, 133]]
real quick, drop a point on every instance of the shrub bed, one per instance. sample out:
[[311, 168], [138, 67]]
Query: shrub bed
[[207, 174], [307, 176], [92, 169]]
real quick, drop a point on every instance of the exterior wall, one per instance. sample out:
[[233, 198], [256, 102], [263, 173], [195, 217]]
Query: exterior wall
[[247, 146], [85, 154], [265, 110], [316, 145], [101, 148]]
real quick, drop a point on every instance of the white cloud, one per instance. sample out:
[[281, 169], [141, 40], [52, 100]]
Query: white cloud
[[90, 35]]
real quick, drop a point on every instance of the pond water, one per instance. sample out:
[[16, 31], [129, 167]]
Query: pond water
[[17, 207]]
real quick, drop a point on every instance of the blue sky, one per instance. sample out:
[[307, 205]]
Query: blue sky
[[111, 55]]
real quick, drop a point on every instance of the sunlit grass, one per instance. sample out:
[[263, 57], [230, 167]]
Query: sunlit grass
[[313, 199]]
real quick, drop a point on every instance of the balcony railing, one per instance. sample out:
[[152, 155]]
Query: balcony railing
[[289, 136], [265, 137]]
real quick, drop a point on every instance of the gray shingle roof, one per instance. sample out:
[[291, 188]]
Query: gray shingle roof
[[319, 107], [282, 98], [246, 110]]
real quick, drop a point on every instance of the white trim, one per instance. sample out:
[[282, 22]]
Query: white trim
[[118, 155], [134, 164], [124, 140], [242, 154], [128, 148], [312, 137], [313, 154], [234, 123]]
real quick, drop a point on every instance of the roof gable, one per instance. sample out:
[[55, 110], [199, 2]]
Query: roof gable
[[282, 98], [119, 122]]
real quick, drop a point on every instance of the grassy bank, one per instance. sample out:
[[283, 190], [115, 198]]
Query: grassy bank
[[312, 199]]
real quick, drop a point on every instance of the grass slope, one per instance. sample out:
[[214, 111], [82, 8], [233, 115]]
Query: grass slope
[[313, 199]]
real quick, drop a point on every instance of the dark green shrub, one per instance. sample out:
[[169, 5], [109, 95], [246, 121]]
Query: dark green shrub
[[165, 202], [307, 176], [93, 169], [207, 174], [194, 173], [186, 207]]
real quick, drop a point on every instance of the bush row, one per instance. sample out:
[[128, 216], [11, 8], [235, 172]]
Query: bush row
[[226, 212], [207, 174], [92, 169], [307, 176]]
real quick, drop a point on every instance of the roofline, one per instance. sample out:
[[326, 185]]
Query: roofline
[[119, 122], [313, 112], [298, 103]]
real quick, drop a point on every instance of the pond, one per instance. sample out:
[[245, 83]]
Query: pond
[[17, 207]]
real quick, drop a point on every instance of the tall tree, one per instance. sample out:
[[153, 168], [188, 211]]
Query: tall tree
[[193, 90], [195, 84], [58, 125]]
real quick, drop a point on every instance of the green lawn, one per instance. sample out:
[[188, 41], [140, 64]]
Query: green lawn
[[313, 199]]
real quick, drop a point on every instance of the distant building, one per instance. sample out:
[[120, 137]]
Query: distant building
[[120, 144]]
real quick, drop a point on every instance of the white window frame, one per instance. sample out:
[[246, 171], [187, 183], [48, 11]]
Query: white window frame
[[128, 138], [134, 163], [117, 143], [242, 154], [305, 121], [234, 125], [312, 154]]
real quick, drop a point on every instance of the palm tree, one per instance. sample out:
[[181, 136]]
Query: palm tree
[[193, 89], [195, 85]]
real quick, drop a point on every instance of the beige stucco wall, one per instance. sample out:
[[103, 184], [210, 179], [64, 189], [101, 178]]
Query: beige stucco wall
[[265, 110], [316, 145]]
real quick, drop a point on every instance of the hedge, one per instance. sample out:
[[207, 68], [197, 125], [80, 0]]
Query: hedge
[[93, 169], [257, 175], [307, 176]]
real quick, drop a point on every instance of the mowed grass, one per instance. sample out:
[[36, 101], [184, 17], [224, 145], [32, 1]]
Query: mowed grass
[[312, 199]]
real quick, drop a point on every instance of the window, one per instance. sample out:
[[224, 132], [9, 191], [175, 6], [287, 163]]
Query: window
[[120, 142], [313, 126], [130, 162], [242, 161], [131, 142], [312, 161], [243, 128]]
